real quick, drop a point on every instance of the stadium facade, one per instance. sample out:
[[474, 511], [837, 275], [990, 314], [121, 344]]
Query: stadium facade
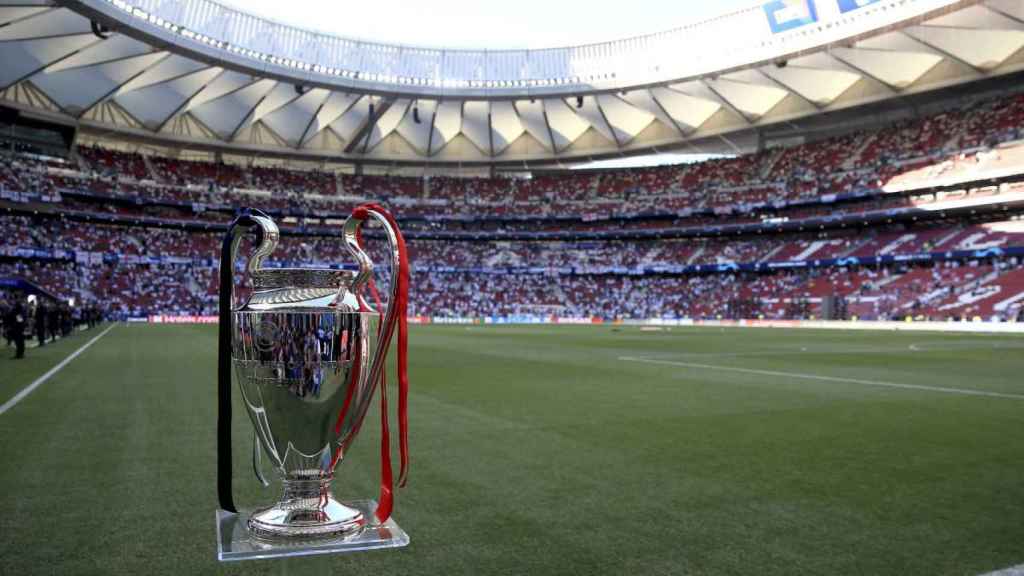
[[199, 75]]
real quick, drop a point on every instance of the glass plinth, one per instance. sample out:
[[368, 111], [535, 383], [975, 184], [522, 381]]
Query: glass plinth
[[234, 542]]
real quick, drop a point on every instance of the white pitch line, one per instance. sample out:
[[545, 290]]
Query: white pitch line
[[1012, 571], [39, 381], [962, 391]]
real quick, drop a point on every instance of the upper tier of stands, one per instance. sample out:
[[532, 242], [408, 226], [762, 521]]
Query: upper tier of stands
[[955, 144]]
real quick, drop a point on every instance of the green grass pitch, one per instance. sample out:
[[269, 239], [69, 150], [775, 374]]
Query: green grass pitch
[[540, 450]]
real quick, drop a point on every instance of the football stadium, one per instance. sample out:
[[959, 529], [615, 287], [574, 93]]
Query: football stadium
[[602, 289]]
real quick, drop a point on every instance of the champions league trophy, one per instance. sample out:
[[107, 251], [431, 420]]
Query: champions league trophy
[[308, 353]]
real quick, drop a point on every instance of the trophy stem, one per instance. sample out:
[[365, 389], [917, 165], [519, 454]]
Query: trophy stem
[[307, 510]]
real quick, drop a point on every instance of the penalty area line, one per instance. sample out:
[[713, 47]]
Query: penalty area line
[[39, 381], [877, 383]]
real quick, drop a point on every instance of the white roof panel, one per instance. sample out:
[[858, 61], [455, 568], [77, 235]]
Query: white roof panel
[[1012, 8], [349, 123], [12, 13], [625, 119], [819, 86], [166, 70], [689, 111], [531, 113], [225, 115], [985, 49], [447, 124], [282, 94], [228, 81], [897, 69], [23, 57], [290, 121], [475, 125], [978, 17], [387, 122], [418, 133], [154, 104], [593, 115], [60, 22], [644, 100], [751, 99], [77, 89], [116, 47], [566, 125], [506, 125], [335, 105]]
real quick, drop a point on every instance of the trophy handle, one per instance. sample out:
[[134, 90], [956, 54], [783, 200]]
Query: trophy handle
[[269, 237], [354, 243], [247, 220], [396, 316], [399, 273]]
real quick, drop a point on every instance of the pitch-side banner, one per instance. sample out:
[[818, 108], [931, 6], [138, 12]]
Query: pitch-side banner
[[979, 251], [786, 15], [175, 319], [732, 267], [168, 319]]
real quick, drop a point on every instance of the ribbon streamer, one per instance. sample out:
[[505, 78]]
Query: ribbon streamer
[[400, 317]]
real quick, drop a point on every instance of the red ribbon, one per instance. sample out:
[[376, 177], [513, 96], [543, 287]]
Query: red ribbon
[[401, 276]]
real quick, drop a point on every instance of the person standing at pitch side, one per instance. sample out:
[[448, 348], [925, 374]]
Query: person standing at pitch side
[[40, 323], [5, 307], [53, 322], [16, 320]]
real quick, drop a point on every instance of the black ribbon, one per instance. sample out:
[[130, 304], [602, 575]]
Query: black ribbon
[[242, 224]]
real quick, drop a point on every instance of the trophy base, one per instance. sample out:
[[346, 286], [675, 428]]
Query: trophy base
[[293, 521], [235, 540]]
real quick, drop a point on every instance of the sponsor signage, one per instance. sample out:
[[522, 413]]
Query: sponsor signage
[[721, 267], [786, 15], [165, 319], [851, 5]]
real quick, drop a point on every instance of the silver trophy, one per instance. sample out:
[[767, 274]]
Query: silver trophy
[[307, 352]]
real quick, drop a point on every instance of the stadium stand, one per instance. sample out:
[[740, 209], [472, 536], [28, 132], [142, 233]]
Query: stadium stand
[[917, 219]]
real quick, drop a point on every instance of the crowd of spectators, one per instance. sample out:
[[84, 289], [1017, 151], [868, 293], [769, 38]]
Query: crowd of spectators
[[138, 268], [135, 243], [872, 292], [142, 270], [958, 141]]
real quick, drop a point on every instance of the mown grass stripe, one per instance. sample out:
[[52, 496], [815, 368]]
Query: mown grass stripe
[[879, 383], [49, 373]]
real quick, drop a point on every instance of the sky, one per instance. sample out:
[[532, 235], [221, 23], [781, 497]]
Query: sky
[[495, 25], [489, 23]]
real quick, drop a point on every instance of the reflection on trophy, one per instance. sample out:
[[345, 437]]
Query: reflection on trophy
[[308, 353]]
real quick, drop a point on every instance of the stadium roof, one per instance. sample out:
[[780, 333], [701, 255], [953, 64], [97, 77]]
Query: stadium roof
[[199, 74]]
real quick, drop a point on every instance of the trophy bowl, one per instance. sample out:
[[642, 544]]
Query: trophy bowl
[[303, 373]]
